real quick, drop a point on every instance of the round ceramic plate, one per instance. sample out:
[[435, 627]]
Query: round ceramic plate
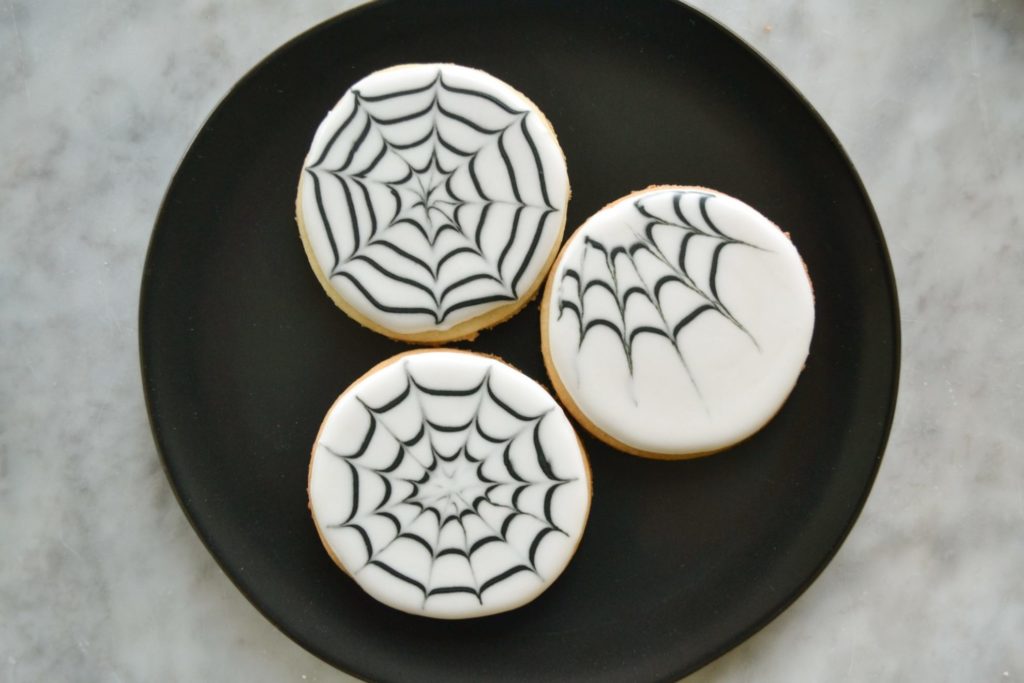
[[242, 353]]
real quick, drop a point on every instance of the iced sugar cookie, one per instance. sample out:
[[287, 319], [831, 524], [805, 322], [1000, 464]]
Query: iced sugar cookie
[[449, 485], [432, 202], [676, 321]]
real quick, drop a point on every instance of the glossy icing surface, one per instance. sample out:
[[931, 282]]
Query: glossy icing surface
[[432, 194], [449, 485], [679, 320]]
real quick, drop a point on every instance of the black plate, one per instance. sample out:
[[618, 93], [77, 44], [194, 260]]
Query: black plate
[[242, 352]]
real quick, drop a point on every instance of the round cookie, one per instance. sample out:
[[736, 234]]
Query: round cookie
[[676, 321], [449, 485], [432, 202]]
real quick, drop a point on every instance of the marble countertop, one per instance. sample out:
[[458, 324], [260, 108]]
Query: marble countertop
[[101, 577]]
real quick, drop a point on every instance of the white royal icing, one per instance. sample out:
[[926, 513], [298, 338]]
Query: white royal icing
[[432, 193], [449, 485], [679, 320]]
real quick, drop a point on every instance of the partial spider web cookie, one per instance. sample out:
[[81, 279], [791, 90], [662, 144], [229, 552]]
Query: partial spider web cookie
[[676, 322]]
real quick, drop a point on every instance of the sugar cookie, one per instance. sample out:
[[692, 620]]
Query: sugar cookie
[[432, 202], [449, 485], [676, 321]]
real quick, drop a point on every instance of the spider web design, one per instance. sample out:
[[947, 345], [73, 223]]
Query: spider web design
[[465, 538], [635, 277], [417, 207]]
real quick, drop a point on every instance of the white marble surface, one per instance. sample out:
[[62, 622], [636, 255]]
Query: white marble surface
[[101, 578]]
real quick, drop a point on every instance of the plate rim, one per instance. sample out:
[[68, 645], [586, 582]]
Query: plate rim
[[888, 276]]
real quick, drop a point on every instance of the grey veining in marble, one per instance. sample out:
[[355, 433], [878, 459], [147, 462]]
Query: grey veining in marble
[[102, 579]]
